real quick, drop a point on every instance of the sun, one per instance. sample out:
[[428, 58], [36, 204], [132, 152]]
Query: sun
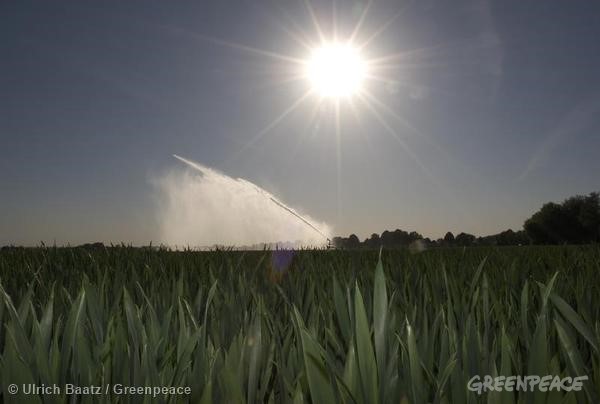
[[336, 70]]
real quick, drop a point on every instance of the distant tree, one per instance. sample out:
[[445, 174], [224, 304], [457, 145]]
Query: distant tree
[[547, 225], [387, 238], [585, 212], [339, 242], [374, 241], [414, 236], [353, 241], [575, 221], [509, 237], [449, 238], [392, 239], [465, 239], [401, 237]]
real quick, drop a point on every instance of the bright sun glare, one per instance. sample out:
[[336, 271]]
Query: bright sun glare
[[336, 70]]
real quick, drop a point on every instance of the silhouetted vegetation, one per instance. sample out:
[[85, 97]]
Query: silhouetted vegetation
[[400, 238], [574, 221]]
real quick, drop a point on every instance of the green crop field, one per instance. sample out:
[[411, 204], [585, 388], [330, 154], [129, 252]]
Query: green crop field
[[305, 326]]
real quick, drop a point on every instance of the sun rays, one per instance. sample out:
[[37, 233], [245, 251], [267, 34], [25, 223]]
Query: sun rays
[[332, 66]]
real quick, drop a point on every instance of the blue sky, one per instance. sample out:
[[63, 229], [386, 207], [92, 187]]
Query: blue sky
[[502, 100]]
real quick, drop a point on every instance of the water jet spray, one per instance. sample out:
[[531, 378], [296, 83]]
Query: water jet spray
[[267, 197]]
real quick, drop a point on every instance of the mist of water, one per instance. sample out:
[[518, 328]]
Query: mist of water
[[201, 207]]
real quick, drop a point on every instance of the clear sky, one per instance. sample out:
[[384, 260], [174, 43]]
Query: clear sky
[[489, 109]]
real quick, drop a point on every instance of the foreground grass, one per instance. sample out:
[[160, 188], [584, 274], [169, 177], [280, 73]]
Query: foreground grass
[[310, 326]]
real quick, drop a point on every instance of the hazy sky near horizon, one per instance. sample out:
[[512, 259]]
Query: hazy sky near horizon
[[496, 105]]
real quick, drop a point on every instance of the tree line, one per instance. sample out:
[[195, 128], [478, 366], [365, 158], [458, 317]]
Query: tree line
[[574, 221]]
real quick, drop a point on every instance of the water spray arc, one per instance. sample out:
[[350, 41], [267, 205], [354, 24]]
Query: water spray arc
[[264, 194], [282, 206]]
